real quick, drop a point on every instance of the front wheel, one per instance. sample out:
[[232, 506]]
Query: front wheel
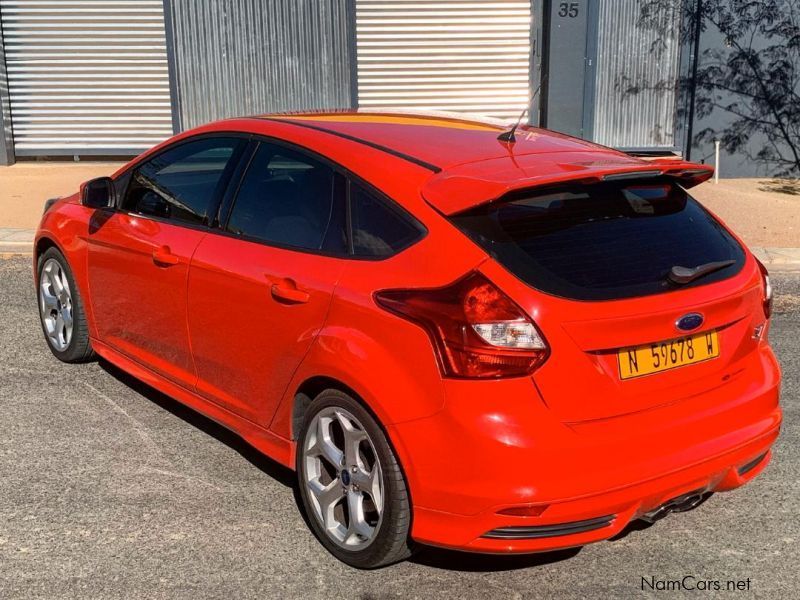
[[61, 309], [351, 484]]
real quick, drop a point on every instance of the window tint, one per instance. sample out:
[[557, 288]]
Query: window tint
[[182, 182], [290, 199], [378, 228], [603, 241]]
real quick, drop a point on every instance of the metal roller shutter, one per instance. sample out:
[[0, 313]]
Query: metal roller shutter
[[86, 76], [637, 56], [448, 55]]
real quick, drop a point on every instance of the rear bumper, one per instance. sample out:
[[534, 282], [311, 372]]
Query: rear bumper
[[465, 465], [606, 514]]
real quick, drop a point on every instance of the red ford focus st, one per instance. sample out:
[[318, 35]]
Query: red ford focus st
[[455, 334]]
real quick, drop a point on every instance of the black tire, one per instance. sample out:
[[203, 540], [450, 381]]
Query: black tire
[[79, 348], [390, 542]]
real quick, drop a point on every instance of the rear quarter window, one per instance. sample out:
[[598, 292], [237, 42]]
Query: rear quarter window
[[379, 227], [603, 241]]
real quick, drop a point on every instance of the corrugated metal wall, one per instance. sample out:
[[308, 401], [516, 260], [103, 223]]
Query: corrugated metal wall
[[86, 76], [635, 79], [6, 142], [242, 57], [467, 55]]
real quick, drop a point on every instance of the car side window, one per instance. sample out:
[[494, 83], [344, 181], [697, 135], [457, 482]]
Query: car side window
[[182, 182], [290, 199], [379, 228]]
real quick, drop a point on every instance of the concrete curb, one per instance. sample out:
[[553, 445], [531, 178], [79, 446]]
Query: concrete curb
[[16, 241], [20, 241], [779, 259]]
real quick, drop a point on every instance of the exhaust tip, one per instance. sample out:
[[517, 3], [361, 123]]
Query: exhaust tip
[[679, 504]]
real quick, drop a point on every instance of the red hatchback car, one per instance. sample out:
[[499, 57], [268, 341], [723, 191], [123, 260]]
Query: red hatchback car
[[456, 334]]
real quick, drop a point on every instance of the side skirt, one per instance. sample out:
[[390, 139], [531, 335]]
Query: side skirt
[[266, 442]]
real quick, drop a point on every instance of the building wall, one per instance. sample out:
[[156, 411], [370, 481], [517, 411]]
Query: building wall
[[6, 141], [472, 56], [744, 162], [86, 76], [243, 57], [565, 59], [635, 74], [611, 78], [188, 62]]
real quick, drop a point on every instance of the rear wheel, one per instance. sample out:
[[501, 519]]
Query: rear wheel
[[351, 485], [61, 309]]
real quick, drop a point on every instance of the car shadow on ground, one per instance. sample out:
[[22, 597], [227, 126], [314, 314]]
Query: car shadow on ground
[[463, 561], [453, 560], [436, 558], [268, 466]]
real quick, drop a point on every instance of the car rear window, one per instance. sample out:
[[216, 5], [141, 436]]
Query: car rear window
[[602, 241]]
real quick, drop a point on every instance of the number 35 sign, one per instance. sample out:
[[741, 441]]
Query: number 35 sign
[[568, 9]]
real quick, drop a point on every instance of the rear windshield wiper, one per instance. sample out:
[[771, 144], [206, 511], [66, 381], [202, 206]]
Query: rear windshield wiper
[[683, 275]]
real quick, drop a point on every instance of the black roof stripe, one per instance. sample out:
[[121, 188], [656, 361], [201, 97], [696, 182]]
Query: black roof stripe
[[352, 138]]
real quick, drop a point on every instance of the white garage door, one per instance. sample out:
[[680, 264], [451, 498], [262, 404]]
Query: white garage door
[[86, 76], [448, 55]]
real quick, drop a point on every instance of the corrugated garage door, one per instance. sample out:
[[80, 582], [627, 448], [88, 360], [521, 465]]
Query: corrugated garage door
[[86, 76], [628, 56], [446, 55]]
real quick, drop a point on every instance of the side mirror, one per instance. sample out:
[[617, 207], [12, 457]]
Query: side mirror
[[98, 193]]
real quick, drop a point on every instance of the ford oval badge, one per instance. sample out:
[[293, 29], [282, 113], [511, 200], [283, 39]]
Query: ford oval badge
[[689, 322]]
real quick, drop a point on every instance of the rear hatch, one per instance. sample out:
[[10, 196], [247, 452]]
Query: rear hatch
[[591, 263]]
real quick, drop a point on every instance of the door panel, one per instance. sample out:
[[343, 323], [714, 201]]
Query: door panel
[[254, 311], [139, 256], [138, 271], [259, 294]]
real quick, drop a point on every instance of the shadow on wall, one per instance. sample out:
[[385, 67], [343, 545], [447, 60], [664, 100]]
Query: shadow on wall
[[747, 82]]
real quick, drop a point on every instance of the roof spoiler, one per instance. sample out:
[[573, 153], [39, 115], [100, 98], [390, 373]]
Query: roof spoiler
[[452, 192], [651, 153], [687, 173]]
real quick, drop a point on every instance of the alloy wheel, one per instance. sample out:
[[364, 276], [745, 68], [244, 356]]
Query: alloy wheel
[[55, 304], [343, 477]]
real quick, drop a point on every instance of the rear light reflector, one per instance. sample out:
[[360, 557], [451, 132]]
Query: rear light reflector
[[476, 330], [747, 467], [525, 510], [767, 289]]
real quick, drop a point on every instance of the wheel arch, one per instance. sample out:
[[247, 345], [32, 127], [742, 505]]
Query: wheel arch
[[313, 387], [42, 245], [73, 247]]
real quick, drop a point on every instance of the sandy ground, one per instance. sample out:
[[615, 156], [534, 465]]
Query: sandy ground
[[25, 186], [754, 209], [761, 215]]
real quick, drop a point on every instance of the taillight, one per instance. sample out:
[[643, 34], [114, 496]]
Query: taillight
[[477, 331], [767, 299]]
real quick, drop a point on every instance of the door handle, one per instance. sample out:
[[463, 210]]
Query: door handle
[[163, 256], [288, 293]]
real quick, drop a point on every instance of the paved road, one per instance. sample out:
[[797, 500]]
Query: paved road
[[110, 490]]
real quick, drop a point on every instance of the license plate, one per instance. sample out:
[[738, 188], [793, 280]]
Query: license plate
[[663, 356]]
